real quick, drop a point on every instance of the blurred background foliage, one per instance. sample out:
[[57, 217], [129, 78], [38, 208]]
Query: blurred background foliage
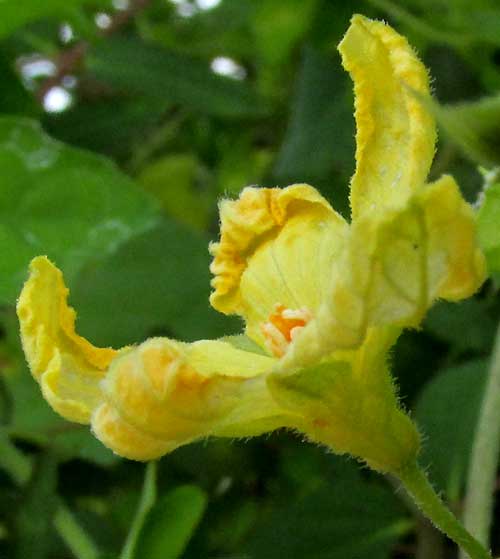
[[121, 125]]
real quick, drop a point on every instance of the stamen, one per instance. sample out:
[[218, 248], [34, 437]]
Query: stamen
[[283, 326], [275, 340], [301, 314]]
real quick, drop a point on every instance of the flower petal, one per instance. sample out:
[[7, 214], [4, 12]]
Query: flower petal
[[393, 268], [67, 366], [171, 393], [395, 132], [125, 439], [146, 400], [276, 248]]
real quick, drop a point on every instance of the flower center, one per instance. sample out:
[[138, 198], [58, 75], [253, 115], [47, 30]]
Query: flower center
[[282, 327]]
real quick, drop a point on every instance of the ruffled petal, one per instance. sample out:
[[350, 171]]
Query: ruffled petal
[[67, 366], [395, 133], [276, 250], [394, 266]]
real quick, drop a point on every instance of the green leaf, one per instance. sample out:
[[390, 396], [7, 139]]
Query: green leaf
[[447, 412], [320, 133], [157, 284], [203, 33], [109, 126], [347, 519], [15, 98], [67, 203], [135, 67], [29, 418], [32, 420], [488, 228], [474, 127], [177, 181], [459, 23], [240, 163], [171, 523], [467, 325], [278, 25], [34, 517], [16, 14]]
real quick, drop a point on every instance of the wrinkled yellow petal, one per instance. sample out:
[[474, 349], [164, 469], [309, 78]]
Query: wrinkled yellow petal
[[393, 267], [456, 266], [276, 248], [67, 366], [125, 439], [395, 133], [349, 402], [402, 262], [168, 393], [144, 401]]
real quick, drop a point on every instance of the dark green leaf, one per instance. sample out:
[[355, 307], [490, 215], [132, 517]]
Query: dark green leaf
[[106, 126], [320, 133], [467, 325], [34, 421], [348, 519], [69, 204], [459, 22], [171, 523], [447, 413], [15, 99], [135, 67], [474, 127], [34, 517], [175, 181], [158, 284], [279, 25], [16, 14], [203, 34]]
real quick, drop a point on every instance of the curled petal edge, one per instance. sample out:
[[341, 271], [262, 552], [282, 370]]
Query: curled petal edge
[[67, 366], [244, 224], [396, 134]]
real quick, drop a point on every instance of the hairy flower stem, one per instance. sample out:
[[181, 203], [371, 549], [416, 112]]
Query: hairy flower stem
[[484, 461], [416, 483]]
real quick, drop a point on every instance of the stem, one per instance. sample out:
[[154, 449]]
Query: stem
[[146, 502], [73, 535], [429, 541], [416, 483], [14, 462], [484, 460]]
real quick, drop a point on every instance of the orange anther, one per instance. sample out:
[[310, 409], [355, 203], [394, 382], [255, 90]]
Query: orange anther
[[282, 327]]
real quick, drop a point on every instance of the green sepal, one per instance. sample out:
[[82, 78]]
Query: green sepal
[[338, 408]]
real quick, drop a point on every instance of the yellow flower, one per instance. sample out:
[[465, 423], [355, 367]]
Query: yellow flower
[[323, 300]]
